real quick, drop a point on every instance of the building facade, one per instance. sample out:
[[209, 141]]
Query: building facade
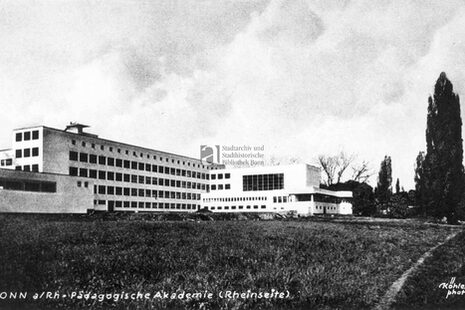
[[293, 188], [123, 177]]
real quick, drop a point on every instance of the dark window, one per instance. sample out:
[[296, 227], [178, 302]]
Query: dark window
[[160, 169], [110, 161], [127, 164], [220, 176], [141, 166], [73, 155], [263, 182], [141, 192], [134, 165], [118, 191], [27, 136], [141, 179], [92, 174], [83, 143], [110, 175], [73, 171], [27, 168], [19, 136], [92, 158], [102, 160], [126, 191], [83, 172], [49, 187], [227, 175], [133, 191], [154, 168], [148, 167], [35, 168], [83, 157], [173, 171], [220, 187], [35, 151], [119, 163], [127, 177], [110, 190], [213, 176], [35, 135], [119, 177], [227, 186], [18, 154], [101, 175], [73, 142], [27, 152], [101, 189], [133, 178]]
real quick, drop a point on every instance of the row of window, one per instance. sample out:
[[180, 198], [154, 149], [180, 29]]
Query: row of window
[[116, 162], [33, 168], [6, 162], [220, 176], [280, 199], [263, 182], [27, 152], [324, 208], [27, 135], [227, 199], [148, 205], [255, 207], [140, 154], [140, 192], [29, 186], [132, 178], [220, 186]]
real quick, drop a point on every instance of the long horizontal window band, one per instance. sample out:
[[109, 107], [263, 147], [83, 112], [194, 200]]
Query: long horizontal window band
[[28, 186], [263, 182]]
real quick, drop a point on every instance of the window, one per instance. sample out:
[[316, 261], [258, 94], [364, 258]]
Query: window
[[73, 171], [141, 166], [110, 190], [213, 187], [119, 163], [102, 147], [126, 191], [35, 168], [18, 154], [83, 144], [220, 176], [220, 187], [110, 175], [83, 157], [227, 186], [227, 175], [148, 167], [213, 176], [102, 160], [110, 161], [134, 165], [92, 145], [73, 155], [92, 158], [35, 135], [118, 191], [101, 175], [133, 178], [119, 177], [19, 137], [27, 168], [127, 164], [27, 152], [35, 151], [127, 177], [141, 179], [101, 189], [92, 173], [73, 142], [27, 136], [83, 172], [263, 182]]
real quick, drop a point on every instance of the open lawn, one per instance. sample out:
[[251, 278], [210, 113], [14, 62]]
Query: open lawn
[[318, 265]]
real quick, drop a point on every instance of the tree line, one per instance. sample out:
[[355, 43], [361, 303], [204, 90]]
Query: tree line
[[439, 172]]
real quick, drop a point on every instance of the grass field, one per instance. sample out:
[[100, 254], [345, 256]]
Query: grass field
[[321, 265]]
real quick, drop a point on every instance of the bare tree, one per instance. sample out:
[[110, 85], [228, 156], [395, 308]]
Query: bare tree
[[334, 167], [329, 164], [361, 172]]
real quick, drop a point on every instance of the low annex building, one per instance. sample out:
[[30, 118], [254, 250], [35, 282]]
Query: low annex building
[[49, 170]]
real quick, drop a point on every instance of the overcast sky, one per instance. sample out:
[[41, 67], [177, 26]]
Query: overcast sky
[[301, 77]]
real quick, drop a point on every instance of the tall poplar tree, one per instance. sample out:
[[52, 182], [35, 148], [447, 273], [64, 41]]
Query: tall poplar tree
[[444, 152], [384, 187]]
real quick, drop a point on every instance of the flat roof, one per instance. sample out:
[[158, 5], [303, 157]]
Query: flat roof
[[112, 141]]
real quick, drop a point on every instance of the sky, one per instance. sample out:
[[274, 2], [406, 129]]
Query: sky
[[302, 78]]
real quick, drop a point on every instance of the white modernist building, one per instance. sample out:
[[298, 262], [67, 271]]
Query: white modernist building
[[293, 188], [72, 171]]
